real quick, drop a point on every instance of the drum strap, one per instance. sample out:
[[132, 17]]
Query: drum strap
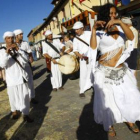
[[82, 41], [2, 48], [52, 46], [98, 52], [56, 57]]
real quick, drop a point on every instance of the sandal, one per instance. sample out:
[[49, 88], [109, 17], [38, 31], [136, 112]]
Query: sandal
[[111, 132], [133, 128]]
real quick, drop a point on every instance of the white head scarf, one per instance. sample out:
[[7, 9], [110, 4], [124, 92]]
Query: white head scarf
[[8, 34], [78, 25], [17, 32], [48, 32], [127, 20]]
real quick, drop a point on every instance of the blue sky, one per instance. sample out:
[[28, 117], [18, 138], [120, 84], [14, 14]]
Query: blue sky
[[23, 14]]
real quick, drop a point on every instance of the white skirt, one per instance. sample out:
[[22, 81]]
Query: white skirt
[[115, 103]]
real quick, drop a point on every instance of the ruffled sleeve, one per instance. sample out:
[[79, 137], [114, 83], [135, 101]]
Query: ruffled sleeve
[[126, 53]]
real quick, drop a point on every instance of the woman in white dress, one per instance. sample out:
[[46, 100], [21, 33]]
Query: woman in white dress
[[117, 98]]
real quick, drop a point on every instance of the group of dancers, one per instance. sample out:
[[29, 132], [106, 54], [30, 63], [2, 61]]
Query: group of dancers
[[116, 95]]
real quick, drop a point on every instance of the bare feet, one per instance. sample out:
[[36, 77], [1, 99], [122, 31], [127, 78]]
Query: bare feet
[[133, 127], [111, 132]]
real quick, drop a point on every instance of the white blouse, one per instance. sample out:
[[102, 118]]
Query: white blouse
[[107, 44]]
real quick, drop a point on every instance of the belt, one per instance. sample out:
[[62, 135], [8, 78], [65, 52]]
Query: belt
[[56, 57]]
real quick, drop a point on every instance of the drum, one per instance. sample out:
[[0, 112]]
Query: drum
[[68, 64]]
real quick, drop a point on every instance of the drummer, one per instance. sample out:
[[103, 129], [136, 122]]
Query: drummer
[[80, 48], [53, 49], [68, 44]]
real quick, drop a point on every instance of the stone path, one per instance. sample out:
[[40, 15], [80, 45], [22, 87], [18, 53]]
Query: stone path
[[59, 115]]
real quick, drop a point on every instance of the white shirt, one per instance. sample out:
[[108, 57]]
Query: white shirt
[[79, 46], [51, 52], [25, 46], [106, 43], [14, 73]]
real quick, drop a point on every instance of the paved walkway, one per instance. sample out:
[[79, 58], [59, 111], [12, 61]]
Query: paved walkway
[[59, 115]]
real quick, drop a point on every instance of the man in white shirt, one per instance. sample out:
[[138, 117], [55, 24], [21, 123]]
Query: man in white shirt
[[132, 60], [16, 77], [53, 55], [25, 47], [81, 50]]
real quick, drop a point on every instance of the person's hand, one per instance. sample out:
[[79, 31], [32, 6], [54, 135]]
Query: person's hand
[[81, 56], [14, 46], [99, 24], [113, 22], [68, 52], [31, 59], [54, 61], [8, 50], [61, 53]]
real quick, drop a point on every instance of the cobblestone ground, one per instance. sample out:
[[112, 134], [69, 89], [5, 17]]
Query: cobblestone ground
[[59, 115]]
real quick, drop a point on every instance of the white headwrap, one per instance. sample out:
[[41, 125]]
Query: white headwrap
[[48, 32], [78, 25], [8, 34], [17, 32], [127, 20]]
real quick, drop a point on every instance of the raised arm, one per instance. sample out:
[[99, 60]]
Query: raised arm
[[125, 28], [93, 39]]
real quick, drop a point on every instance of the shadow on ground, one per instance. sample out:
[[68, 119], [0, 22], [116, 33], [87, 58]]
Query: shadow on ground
[[28, 131], [5, 123], [37, 67], [88, 129], [73, 76], [2, 87], [39, 73]]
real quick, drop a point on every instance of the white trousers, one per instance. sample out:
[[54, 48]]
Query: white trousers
[[85, 76], [19, 98], [30, 81], [56, 76]]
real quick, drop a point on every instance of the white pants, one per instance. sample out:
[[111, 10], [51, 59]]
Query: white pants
[[30, 81], [85, 76], [19, 98], [56, 76]]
